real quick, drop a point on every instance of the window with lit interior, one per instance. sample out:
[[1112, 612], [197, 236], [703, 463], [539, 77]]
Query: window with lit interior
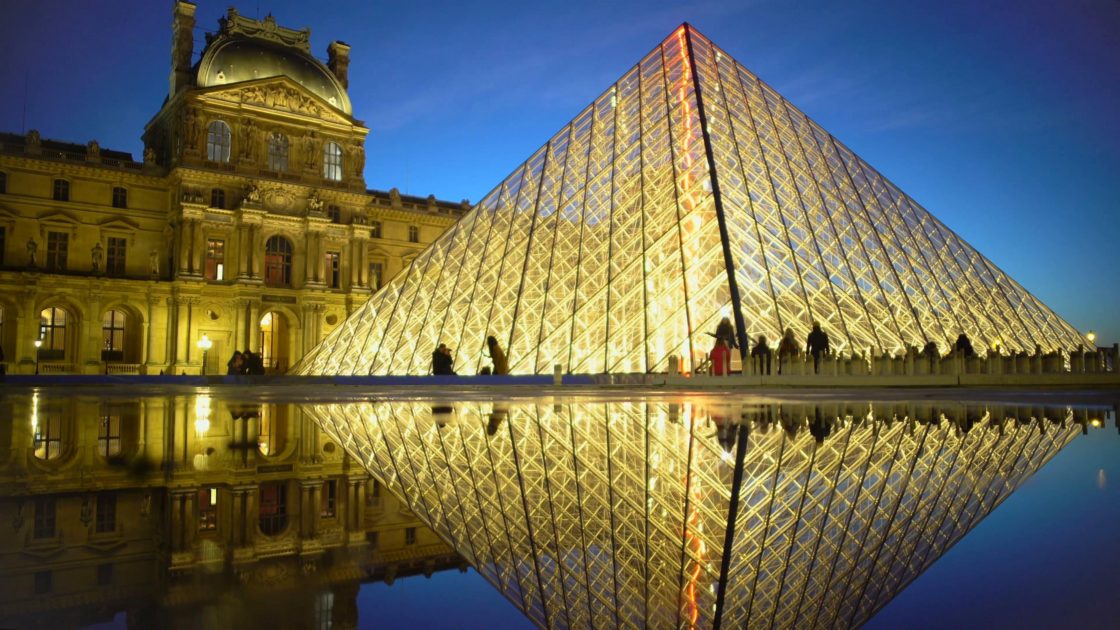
[[278, 262], [112, 335], [52, 332], [215, 259]]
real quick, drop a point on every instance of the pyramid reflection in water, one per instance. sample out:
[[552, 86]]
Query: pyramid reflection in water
[[661, 514], [688, 191]]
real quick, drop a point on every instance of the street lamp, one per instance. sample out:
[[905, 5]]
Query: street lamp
[[204, 345], [38, 344], [1092, 337]]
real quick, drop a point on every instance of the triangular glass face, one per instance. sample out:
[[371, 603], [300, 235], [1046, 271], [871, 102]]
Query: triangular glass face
[[688, 192], [659, 514]]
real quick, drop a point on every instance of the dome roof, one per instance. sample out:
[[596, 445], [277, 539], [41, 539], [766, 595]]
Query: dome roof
[[236, 59]]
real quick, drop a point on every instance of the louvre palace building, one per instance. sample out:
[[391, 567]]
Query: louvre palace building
[[247, 219]]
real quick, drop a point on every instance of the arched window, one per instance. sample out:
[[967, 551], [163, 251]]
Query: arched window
[[332, 162], [52, 331], [112, 335], [277, 152], [217, 142], [274, 341], [278, 262]]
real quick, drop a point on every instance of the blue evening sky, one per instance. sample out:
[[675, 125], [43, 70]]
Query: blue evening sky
[[1000, 117]]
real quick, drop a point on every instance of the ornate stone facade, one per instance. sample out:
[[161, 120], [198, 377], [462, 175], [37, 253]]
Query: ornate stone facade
[[248, 221]]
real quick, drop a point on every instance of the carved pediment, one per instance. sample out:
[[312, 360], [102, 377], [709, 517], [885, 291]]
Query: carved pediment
[[279, 94], [119, 223], [59, 218]]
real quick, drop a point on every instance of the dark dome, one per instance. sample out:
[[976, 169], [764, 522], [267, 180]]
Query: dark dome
[[237, 59]]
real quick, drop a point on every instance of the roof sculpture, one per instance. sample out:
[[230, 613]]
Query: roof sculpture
[[683, 514], [687, 192]]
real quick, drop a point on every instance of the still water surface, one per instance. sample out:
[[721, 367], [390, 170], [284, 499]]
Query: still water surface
[[216, 509]]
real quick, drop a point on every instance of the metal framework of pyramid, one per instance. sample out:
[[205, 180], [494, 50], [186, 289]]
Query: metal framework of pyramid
[[687, 192], [591, 514]]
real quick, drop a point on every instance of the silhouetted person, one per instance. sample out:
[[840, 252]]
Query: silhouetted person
[[816, 344], [964, 346], [721, 357], [761, 349], [787, 347], [930, 351], [726, 331], [235, 364], [442, 360], [501, 364]]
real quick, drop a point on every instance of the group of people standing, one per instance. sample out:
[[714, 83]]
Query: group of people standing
[[816, 345], [443, 360], [245, 363]]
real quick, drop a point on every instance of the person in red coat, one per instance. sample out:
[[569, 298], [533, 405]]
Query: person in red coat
[[721, 358]]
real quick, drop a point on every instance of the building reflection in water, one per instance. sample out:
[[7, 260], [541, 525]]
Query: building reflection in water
[[191, 511], [663, 514]]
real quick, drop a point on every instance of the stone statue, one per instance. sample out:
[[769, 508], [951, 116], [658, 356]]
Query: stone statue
[[465, 205], [314, 203], [153, 262], [33, 139], [32, 249], [149, 155], [394, 197], [95, 256], [359, 159], [248, 146], [432, 203], [252, 193], [93, 148], [190, 129], [310, 151]]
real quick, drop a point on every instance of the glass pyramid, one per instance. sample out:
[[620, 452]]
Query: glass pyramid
[[687, 192], [662, 514]]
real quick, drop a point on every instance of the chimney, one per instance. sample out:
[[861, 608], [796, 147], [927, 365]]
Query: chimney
[[182, 46], [338, 60]]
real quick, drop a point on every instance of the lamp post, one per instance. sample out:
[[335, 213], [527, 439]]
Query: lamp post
[[38, 344], [1092, 337], [204, 345]]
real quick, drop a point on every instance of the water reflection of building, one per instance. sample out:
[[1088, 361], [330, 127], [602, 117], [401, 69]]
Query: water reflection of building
[[696, 514], [164, 507]]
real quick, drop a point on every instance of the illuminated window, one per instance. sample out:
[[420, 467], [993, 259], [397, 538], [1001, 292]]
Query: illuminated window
[[44, 517], [217, 142], [58, 247], [208, 508], [277, 152], [106, 512], [334, 213], [278, 262], [120, 197], [375, 229], [324, 610], [114, 256], [52, 331], [332, 162], [112, 335], [61, 190], [413, 234], [47, 440], [375, 270], [215, 259], [410, 535], [334, 269], [273, 507], [328, 500], [109, 432], [218, 198]]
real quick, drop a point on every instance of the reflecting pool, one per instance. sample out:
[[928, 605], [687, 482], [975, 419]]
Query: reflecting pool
[[359, 509]]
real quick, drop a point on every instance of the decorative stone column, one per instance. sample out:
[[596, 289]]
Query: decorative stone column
[[254, 329]]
